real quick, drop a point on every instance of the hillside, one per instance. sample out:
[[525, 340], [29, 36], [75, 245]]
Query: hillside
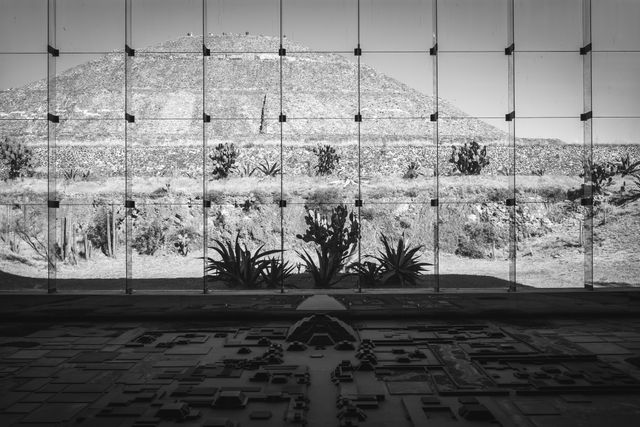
[[237, 85]]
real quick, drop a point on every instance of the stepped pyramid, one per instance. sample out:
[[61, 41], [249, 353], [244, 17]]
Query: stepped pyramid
[[242, 96]]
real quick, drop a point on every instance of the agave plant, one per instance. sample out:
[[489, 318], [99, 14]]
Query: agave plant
[[73, 174], [275, 272], [269, 169], [325, 270], [400, 264], [412, 171], [246, 170], [238, 267], [368, 272]]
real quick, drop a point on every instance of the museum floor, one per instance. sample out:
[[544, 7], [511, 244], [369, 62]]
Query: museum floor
[[323, 360]]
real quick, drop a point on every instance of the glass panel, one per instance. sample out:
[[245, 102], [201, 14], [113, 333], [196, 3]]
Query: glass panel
[[90, 161], [255, 225], [333, 274], [472, 25], [414, 223], [548, 159], [615, 24], [551, 239], [616, 247], [254, 172], [23, 26], [306, 24], [90, 25], [243, 85], [165, 157], [615, 84], [548, 25], [616, 131], [320, 160], [320, 86], [23, 247], [474, 246], [90, 248], [166, 86], [398, 161], [396, 85], [90, 86], [243, 25], [26, 183], [616, 222], [167, 247], [23, 85], [473, 84], [548, 85], [167, 25], [401, 25], [466, 178]]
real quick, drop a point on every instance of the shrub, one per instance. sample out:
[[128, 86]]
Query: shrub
[[412, 171], [224, 160], [275, 272], [238, 267], [217, 197], [537, 172], [327, 159], [31, 227], [322, 199], [367, 213], [248, 204], [400, 265], [182, 238], [149, 239], [477, 238], [553, 194], [17, 157], [499, 194], [469, 159], [336, 239]]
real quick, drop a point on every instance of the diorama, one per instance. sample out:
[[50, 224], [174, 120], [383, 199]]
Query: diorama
[[284, 157]]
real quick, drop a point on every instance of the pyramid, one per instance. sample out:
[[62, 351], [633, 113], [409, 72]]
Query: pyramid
[[242, 95]]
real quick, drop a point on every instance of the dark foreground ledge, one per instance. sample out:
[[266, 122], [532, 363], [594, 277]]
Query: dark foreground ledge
[[345, 304]]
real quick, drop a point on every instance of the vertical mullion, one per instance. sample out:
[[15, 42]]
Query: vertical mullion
[[587, 85], [52, 195], [359, 124], [281, 156], [127, 168], [436, 141], [205, 204], [513, 234]]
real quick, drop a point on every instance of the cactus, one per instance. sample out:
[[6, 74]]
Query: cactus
[[327, 159], [17, 157], [103, 233], [224, 159], [264, 103], [469, 159], [337, 239]]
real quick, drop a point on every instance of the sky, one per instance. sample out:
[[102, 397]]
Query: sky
[[394, 35]]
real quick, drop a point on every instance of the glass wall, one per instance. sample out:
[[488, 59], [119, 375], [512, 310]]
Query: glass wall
[[212, 145]]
